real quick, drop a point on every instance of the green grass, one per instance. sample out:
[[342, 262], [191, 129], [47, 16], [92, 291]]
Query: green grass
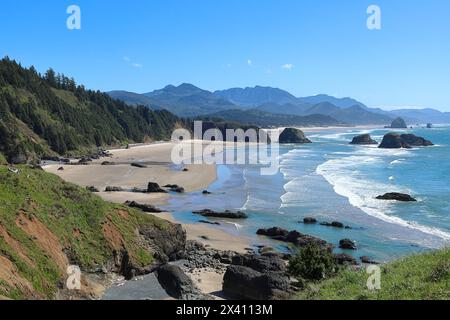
[[419, 277], [63, 207]]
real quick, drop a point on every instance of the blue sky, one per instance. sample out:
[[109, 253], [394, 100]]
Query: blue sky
[[324, 46]]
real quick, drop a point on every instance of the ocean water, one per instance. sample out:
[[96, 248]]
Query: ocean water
[[333, 180]]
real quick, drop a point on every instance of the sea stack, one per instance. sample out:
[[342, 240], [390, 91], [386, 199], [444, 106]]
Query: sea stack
[[364, 139], [292, 135], [397, 141], [399, 123]]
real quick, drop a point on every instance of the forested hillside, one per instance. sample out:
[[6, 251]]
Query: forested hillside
[[48, 114]]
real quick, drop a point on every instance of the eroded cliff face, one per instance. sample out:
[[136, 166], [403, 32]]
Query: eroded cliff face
[[48, 225]]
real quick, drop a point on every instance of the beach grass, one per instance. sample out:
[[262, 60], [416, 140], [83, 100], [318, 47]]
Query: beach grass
[[419, 277]]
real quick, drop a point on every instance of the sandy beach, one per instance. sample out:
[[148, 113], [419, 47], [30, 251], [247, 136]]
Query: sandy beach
[[157, 158]]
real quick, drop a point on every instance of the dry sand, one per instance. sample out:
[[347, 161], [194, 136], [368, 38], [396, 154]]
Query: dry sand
[[198, 177], [157, 157]]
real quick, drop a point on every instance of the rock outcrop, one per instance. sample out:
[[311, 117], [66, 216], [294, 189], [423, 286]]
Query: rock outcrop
[[397, 141], [293, 237], [225, 214], [291, 135], [260, 263], [415, 141], [175, 188], [144, 207], [167, 240], [92, 189], [177, 284], [344, 259], [309, 220], [399, 123], [397, 197], [138, 165], [368, 260], [364, 139], [347, 244], [155, 188], [245, 283], [114, 189]]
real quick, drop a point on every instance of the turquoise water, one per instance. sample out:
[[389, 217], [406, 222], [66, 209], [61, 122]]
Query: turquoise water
[[332, 180]]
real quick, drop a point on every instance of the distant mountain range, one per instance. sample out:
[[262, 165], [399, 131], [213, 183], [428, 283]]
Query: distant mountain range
[[266, 119], [272, 106]]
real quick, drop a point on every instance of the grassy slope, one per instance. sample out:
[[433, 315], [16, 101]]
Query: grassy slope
[[419, 277], [62, 208]]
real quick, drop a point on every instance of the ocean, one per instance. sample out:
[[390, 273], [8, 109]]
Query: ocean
[[332, 180]]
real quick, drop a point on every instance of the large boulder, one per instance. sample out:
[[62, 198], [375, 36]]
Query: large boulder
[[393, 141], [245, 283], [291, 135], [399, 123], [364, 139], [397, 197], [396, 141], [261, 263], [177, 284]]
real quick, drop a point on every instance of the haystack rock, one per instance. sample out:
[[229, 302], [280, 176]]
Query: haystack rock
[[291, 135], [399, 123]]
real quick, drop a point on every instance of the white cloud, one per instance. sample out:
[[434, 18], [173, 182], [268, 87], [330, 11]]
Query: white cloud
[[249, 62], [287, 66], [131, 63]]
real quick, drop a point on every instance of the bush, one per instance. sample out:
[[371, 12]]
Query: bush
[[312, 262]]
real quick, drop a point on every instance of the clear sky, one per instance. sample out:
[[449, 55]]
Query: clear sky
[[303, 46]]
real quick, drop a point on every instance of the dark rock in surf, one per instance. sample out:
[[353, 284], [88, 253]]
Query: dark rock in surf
[[347, 244], [309, 220], [291, 135], [334, 224], [407, 141], [397, 197], [293, 237], [364, 139], [415, 141], [209, 222], [225, 214]]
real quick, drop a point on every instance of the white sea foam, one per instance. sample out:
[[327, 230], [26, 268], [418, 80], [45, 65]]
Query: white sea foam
[[341, 174]]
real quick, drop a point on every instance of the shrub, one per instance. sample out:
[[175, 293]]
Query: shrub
[[312, 262]]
